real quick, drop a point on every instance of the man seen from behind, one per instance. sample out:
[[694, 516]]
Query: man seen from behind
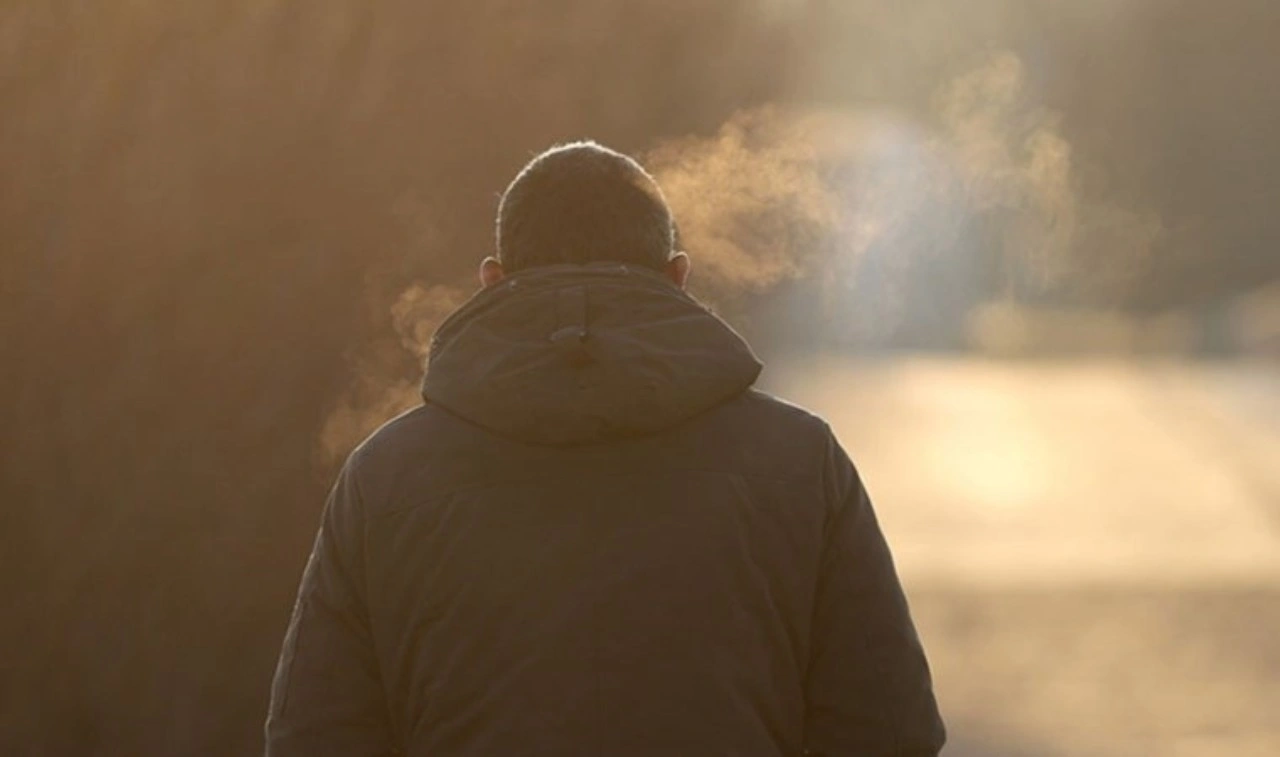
[[594, 537]]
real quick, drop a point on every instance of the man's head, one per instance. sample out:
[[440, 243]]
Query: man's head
[[584, 203]]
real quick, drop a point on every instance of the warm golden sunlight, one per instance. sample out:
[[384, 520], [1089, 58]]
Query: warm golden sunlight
[[1021, 256]]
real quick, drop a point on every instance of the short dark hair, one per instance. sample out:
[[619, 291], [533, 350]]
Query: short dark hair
[[583, 203]]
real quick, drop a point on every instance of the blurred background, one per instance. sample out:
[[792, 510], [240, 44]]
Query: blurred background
[[1024, 254]]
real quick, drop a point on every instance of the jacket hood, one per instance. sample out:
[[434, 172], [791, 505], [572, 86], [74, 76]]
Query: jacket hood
[[575, 354]]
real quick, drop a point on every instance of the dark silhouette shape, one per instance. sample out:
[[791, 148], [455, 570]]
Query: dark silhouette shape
[[594, 537]]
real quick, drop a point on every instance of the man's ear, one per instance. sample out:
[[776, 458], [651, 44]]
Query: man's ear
[[678, 269], [490, 272]]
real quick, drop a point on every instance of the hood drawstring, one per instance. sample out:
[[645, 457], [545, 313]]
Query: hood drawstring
[[571, 315], [570, 334]]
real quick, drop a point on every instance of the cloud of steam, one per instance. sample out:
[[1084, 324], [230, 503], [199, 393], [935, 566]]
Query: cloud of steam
[[419, 310], [776, 193], [378, 392], [1010, 158], [751, 201]]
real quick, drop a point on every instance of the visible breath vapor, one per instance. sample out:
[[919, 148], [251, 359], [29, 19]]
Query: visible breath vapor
[[776, 194], [751, 201], [1010, 157], [378, 393]]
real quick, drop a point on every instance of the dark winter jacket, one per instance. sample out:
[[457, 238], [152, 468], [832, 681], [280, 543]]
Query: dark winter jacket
[[595, 538]]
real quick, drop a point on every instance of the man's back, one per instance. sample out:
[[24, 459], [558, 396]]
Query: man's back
[[595, 538]]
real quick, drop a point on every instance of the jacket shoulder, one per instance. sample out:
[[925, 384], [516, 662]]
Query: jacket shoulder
[[771, 437], [391, 438], [396, 452], [784, 412]]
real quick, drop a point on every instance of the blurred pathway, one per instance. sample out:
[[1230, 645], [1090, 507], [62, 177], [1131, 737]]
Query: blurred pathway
[[1092, 549], [989, 472]]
